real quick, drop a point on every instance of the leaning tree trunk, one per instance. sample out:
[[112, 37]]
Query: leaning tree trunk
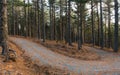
[[3, 28]]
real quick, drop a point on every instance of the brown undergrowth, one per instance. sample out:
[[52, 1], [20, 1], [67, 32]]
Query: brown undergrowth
[[17, 67], [71, 51]]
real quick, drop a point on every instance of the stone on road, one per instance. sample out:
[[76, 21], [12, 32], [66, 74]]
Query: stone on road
[[108, 65]]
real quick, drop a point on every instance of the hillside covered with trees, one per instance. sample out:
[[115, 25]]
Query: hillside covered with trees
[[76, 29]]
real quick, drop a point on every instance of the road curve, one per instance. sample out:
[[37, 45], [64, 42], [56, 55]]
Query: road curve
[[108, 65]]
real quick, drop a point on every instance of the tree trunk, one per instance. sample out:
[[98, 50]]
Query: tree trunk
[[109, 27], [69, 22], [66, 19], [79, 27], [13, 17], [35, 29], [92, 20], [27, 28], [39, 36], [116, 27], [98, 21], [43, 25], [25, 22], [3, 28], [54, 20], [105, 31], [50, 13], [61, 10], [101, 26]]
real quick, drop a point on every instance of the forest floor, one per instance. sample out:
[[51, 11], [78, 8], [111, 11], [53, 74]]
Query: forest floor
[[65, 49], [71, 51], [17, 67], [24, 65], [108, 64]]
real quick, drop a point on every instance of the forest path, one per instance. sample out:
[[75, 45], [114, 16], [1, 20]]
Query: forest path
[[108, 65]]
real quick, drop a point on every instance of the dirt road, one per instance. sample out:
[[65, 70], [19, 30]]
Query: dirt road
[[108, 65]]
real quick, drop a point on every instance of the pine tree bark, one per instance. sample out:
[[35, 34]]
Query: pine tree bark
[[98, 30], [13, 20], [43, 25], [109, 27], [92, 20], [28, 20], [3, 28], [25, 21], [69, 22], [61, 10], [79, 26], [38, 19], [101, 26], [116, 27]]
